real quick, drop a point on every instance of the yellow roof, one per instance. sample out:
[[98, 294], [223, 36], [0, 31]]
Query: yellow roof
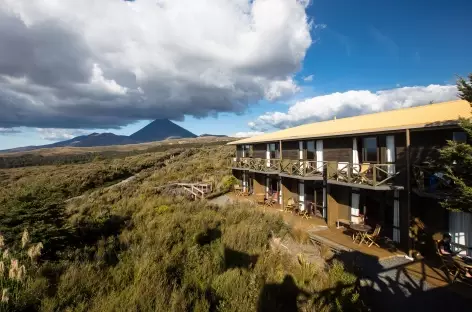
[[430, 115]]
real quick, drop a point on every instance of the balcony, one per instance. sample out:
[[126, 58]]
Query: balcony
[[431, 182], [379, 176]]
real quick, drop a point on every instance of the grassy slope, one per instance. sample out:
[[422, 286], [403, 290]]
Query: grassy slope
[[132, 248]]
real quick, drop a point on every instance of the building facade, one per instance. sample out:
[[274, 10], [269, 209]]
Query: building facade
[[374, 166]]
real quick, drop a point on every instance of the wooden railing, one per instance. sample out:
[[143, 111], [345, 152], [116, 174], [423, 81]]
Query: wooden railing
[[364, 173], [430, 179], [303, 168]]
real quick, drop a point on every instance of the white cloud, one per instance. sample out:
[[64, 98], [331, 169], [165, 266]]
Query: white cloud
[[308, 78], [54, 134], [354, 102], [247, 134], [107, 63], [8, 131]]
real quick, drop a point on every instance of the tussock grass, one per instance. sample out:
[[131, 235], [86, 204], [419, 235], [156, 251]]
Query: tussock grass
[[132, 248]]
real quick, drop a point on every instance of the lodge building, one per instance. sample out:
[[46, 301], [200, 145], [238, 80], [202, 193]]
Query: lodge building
[[375, 165]]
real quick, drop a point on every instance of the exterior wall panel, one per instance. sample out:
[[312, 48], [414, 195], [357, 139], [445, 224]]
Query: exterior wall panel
[[290, 150], [337, 149]]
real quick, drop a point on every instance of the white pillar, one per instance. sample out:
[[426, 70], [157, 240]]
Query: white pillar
[[244, 182], [280, 192], [355, 207], [396, 216], [319, 155], [267, 185], [460, 228], [268, 155], [301, 195], [300, 149], [324, 202], [390, 153]]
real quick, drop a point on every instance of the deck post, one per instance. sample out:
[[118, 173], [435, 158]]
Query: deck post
[[408, 189], [280, 156]]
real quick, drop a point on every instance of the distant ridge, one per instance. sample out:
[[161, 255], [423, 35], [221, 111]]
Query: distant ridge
[[158, 130], [213, 135]]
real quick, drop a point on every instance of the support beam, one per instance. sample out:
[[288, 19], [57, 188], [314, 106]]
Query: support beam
[[408, 189]]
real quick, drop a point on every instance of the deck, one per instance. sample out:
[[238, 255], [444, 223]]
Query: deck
[[424, 271], [363, 175]]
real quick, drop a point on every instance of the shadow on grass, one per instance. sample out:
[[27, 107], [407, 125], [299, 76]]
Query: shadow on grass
[[237, 259]]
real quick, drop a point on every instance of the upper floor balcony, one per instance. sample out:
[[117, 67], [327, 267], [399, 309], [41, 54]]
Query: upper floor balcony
[[379, 176]]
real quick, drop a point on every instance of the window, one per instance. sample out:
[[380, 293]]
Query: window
[[459, 137], [248, 150], [310, 150], [369, 149], [274, 150]]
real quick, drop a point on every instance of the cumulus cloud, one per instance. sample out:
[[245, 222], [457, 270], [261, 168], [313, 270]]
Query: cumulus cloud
[[8, 131], [308, 78], [350, 103], [247, 134], [54, 134], [107, 63]]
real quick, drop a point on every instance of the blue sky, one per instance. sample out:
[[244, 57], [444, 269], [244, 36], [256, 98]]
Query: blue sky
[[372, 45], [357, 45]]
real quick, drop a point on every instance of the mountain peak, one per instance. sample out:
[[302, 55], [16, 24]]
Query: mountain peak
[[161, 129]]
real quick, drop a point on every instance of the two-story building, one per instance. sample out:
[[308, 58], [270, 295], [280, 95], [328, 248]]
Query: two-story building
[[375, 165]]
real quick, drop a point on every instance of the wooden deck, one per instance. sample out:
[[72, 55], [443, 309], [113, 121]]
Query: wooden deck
[[343, 238], [340, 239]]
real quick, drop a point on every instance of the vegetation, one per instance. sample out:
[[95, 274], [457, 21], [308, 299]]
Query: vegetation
[[132, 247], [456, 159]]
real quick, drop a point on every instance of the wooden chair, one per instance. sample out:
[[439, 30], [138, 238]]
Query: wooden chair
[[361, 175], [452, 269], [260, 199], [237, 189], [373, 237], [291, 205]]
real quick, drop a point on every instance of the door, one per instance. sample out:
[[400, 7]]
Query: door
[[319, 202]]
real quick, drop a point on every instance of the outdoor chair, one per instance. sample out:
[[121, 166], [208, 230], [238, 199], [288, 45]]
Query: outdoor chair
[[304, 213], [448, 265], [237, 190], [372, 238], [362, 174], [291, 205], [260, 199]]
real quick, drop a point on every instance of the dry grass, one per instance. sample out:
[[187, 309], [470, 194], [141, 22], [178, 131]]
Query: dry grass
[[133, 248]]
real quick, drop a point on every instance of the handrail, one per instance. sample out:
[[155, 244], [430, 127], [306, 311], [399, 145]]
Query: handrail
[[429, 178], [362, 173]]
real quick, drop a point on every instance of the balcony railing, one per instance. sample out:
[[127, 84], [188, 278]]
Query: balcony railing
[[430, 180], [302, 168], [363, 174]]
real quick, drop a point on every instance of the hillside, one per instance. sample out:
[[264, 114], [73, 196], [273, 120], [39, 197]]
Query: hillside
[[135, 248]]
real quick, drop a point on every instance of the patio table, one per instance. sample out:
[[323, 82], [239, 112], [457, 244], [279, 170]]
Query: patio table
[[464, 262], [361, 230]]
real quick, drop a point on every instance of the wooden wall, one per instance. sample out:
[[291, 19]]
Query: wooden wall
[[238, 174], [289, 189], [424, 144], [338, 203], [337, 149], [290, 150], [259, 182], [259, 150]]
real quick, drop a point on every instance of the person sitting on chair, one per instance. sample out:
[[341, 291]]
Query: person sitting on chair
[[445, 249]]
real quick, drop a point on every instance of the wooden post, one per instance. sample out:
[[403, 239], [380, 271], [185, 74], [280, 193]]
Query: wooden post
[[280, 161], [374, 173], [408, 190]]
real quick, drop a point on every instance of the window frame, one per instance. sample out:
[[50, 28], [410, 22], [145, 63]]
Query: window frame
[[365, 153], [459, 133]]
